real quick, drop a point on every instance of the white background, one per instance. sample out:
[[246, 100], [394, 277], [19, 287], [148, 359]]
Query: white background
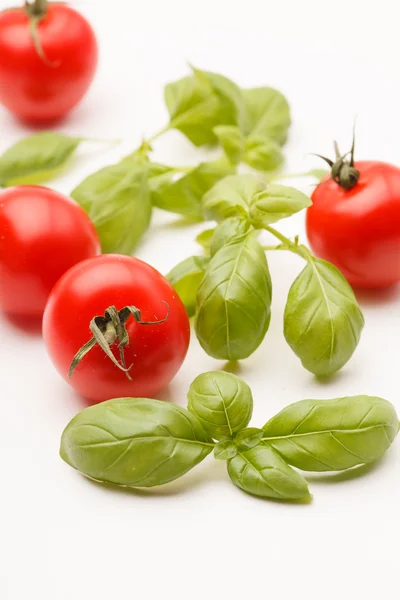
[[64, 537]]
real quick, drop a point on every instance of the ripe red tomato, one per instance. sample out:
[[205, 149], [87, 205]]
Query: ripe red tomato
[[155, 352], [42, 235], [44, 89], [358, 229]]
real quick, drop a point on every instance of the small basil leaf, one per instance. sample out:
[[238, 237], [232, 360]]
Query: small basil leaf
[[232, 141], [231, 197], [225, 449], [275, 203], [262, 472], [184, 195], [234, 301], [248, 438], [322, 322], [117, 200], [36, 158], [332, 435], [134, 442], [318, 173], [267, 113], [228, 231], [222, 403], [186, 277], [262, 153], [204, 238]]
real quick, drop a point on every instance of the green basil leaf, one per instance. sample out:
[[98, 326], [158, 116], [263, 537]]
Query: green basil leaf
[[234, 301], [225, 449], [222, 403], [262, 472], [332, 435], [228, 231], [232, 141], [275, 203], [262, 153], [134, 442], [184, 195], [318, 173], [231, 197], [248, 438], [117, 200], [186, 277], [322, 322], [204, 238], [267, 113], [36, 158]]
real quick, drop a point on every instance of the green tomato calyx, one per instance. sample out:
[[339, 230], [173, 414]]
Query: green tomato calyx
[[343, 171], [109, 329]]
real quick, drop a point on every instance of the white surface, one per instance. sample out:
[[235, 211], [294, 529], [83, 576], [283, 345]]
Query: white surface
[[63, 537]]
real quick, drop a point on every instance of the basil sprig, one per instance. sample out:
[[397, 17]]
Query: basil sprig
[[139, 442]]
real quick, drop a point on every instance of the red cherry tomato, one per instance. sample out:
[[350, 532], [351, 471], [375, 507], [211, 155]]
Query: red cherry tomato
[[42, 235], [44, 89], [155, 352], [358, 230]]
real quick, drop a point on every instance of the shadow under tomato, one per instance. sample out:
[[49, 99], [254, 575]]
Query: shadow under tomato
[[29, 325], [369, 297]]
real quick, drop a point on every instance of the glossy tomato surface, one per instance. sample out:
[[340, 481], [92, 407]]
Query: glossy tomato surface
[[43, 90], [42, 235], [358, 230], [155, 351]]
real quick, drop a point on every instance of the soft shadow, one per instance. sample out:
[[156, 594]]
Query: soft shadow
[[368, 297], [42, 124], [232, 366], [164, 394], [339, 376], [180, 223], [348, 475], [28, 325]]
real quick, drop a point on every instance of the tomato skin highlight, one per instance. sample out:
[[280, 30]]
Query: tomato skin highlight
[[42, 235], [33, 89], [155, 351], [358, 230]]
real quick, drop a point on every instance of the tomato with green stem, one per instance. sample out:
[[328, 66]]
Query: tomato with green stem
[[115, 327], [48, 58]]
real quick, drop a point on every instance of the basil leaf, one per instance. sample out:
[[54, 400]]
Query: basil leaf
[[332, 435], [262, 472], [248, 438], [134, 442], [267, 113], [36, 158], [275, 203], [184, 195], [228, 231], [225, 449], [234, 301], [231, 197], [222, 402], [186, 277], [322, 322], [204, 238], [318, 173], [117, 200], [232, 141], [262, 153]]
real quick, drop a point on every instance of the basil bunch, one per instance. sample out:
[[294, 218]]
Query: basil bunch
[[233, 290], [138, 442]]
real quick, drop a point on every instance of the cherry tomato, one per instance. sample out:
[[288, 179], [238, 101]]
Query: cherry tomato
[[42, 235], [44, 88], [358, 229], [154, 352]]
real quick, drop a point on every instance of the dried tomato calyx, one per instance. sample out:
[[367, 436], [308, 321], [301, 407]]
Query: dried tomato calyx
[[343, 171]]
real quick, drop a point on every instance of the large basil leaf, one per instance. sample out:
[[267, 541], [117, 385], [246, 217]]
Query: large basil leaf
[[231, 197], [322, 322], [222, 402], [184, 195], [186, 278], [332, 435], [134, 442], [229, 230], [267, 113], [234, 301], [117, 200], [262, 472], [36, 158], [275, 203]]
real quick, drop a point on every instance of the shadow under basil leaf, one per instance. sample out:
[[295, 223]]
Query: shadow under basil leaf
[[232, 366], [348, 475]]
